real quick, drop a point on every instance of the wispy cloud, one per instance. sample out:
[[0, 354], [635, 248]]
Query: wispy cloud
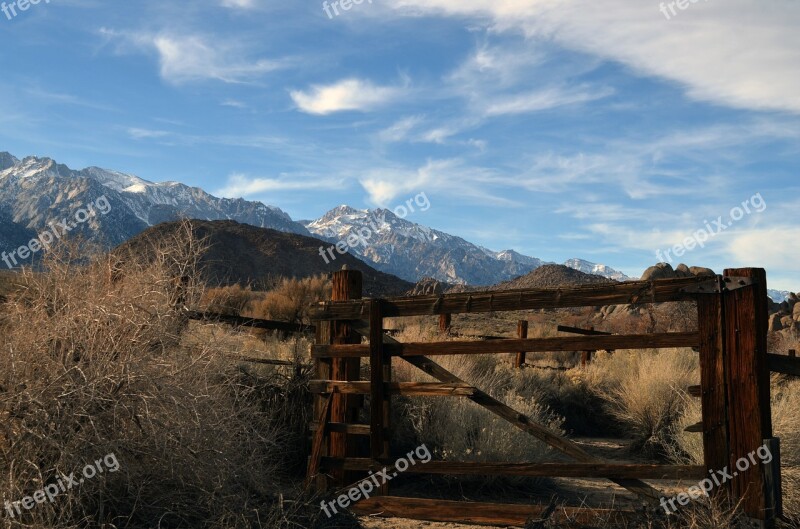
[[347, 94], [189, 57], [736, 52], [242, 185], [545, 99]]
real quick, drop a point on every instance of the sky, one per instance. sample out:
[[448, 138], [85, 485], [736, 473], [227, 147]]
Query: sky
[[612, 131]]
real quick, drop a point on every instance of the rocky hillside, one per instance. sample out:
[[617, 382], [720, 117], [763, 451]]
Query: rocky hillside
[[244, 254], [552, 276]]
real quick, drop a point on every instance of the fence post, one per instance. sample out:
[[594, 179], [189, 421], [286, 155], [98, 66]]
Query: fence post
[[380, 375], [713, 384], [792, 353], [445, 321], [586, 356], [347, 284], [522, 333], [745, 324]]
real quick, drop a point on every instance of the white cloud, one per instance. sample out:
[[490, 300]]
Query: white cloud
[[185, 58], [241, 185], [140, 134], [347, 94], [737, 52], [545, 99], [239, 4]]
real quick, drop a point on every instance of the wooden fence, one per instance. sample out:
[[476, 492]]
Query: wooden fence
[[734, 390]]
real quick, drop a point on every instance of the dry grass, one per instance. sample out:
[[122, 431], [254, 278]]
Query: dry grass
[[93, 363], [290, 300], [645, 391]]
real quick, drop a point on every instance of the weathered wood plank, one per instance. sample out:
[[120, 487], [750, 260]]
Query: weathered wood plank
[[564, 343], [632, 292], [554, 470], [524, 423], [786, 365], [750, 422], [713, 384], [774, 486], [585, 332], [351, 429], [346, 285], [482, 513], [377, 388], [410, 389], [255, 323], [318, 443], [522, 334]]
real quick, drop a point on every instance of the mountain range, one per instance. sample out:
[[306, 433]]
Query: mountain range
[[35, 192]]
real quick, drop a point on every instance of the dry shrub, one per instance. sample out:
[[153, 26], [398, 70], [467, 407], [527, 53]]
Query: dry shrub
[[230, 300], [457, 429], [291, 299], [646, 392], [786, 426], [92, 365]]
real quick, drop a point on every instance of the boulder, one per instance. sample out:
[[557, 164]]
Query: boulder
[[787, 322], [659, 271], [796, 312], [426, 286], [683, 271], [775, 324], [701, 271]]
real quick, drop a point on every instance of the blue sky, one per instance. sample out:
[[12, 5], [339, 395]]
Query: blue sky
[[558, 128]]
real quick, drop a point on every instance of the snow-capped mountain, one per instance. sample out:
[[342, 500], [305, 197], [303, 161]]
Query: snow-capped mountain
[[412, 251], [778, 296], [596, 269], [37, 191]]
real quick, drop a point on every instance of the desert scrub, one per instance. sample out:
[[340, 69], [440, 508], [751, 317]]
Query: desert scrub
[[92, 363], [457, 429], [645, 391]]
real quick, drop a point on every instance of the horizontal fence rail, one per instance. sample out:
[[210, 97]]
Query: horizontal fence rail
[[566, 343], [485, 513], [632, 292], [786, 365], [255, 323], [555, 470]]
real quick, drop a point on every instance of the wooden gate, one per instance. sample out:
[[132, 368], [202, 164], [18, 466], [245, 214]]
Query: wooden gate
[[735, 392]]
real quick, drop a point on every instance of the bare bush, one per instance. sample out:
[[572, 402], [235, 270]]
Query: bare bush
[[291, 299], [93, 364]]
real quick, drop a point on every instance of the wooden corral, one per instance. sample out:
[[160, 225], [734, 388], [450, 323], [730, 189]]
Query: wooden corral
[[734, 390]]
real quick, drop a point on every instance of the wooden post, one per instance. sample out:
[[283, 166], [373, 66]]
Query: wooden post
[[322, 404], [713, 385], [745, 324], [380, 375], [792, 353], [347, 284], [445, 321], [522, 333], [586, 356]]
